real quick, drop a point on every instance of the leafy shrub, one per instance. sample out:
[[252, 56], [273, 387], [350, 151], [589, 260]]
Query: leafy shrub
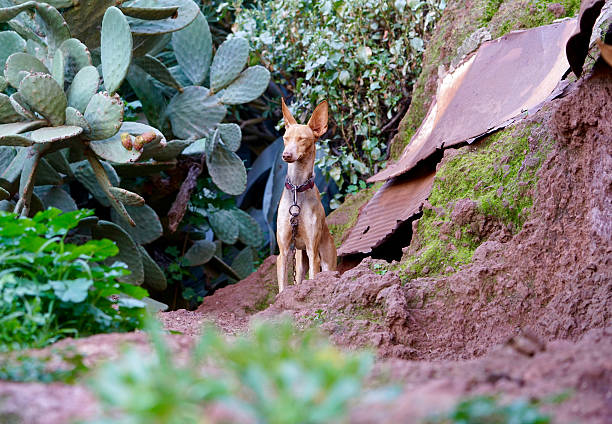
[[363, 56], [487, 410], [50, 288], [25, 368], [273, 375]]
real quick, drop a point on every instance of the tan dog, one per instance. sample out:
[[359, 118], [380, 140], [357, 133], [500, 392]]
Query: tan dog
[[313, 243]]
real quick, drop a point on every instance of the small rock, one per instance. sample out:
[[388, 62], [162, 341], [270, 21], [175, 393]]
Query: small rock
[[556, 9], [449, 270], [425, 270], [458, 234]]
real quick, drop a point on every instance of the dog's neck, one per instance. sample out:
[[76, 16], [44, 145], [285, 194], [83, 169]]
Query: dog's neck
[[302, 169]]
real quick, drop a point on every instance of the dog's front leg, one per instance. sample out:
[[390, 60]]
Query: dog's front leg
[[281, 269]]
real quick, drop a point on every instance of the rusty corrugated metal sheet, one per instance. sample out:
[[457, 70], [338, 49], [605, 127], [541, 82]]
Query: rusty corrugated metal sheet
[[577, 46], [504, 77], [395, 202]]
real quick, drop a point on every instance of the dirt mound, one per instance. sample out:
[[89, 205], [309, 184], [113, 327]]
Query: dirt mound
[[581, 371], [553, 278]]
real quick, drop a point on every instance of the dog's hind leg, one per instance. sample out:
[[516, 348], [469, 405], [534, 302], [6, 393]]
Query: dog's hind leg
[[327, 249], [301, 266]]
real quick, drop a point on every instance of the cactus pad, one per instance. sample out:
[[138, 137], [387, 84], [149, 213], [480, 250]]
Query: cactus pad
[[20, 127], [105, 115], [137, 128], [150, 13], [229, 60], [57, 67], [18, 65], [4, 195], [54, 26], [84, 174], [84, 86], [44, 96], [7, 112], [8, 13], [148, 227], [111, 149], [194, 111], [10, 42], [76, 54], [249, 85], [186, 13], [46, 174], [157, 70], [15, 140], [129, 252], [168, 152], [231, 134], [10, 173], [3, 83], [51, 134], [200, 252], [21, 107], [243, 263], [154, 277], [193, 49], [127, 197], [116, 48], [74, 117], [249, 231], [224, 225], [227, 170], [55, 197], [196, 148]]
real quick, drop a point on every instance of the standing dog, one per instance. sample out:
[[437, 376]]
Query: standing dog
[[314, 246]]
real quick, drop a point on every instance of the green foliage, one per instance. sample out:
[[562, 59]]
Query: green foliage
[[362, 56], [488, 410], [273, 375], [25, 368], [50, 288], [499, 174]]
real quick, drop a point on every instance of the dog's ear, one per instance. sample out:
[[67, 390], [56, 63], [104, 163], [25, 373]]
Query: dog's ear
[[287, 116], [318, 120]]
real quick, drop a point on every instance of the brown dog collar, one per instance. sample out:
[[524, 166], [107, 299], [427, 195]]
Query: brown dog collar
[[302, 187]]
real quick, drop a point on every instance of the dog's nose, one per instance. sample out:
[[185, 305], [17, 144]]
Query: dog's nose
[[286, 156]]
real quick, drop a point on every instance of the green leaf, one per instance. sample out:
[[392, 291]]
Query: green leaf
[[73, 291], [116, 48]]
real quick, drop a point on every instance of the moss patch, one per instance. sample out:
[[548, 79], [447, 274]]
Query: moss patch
[[342, 219], [499, 174], [457, 23]]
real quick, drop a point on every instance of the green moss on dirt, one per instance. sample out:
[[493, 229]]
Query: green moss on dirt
[[499, 174], [459, 20], [342, 219]]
